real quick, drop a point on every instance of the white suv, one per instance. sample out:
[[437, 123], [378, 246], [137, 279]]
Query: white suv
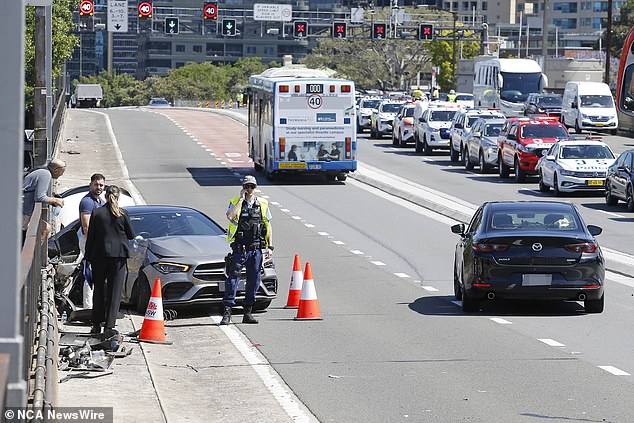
[[433, 129], [461, 126], [382, 118], [366, 106]]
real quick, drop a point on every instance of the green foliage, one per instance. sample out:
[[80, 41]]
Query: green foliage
[[620, 28], [442, 55], [63, 43]]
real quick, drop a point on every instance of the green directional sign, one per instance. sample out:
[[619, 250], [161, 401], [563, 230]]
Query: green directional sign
[[171, 25], [229, 27]]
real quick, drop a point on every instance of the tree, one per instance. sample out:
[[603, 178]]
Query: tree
[[63, 43], [620, 27], [442, 55]]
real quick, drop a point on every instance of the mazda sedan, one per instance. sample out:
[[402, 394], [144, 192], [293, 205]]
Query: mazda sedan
[[184, 248], [528, 250]]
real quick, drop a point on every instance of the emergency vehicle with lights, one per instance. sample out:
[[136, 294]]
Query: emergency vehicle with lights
[[525, 142], [302, 121]]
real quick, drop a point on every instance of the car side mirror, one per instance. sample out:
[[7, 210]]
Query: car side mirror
[[458, 229], [550, 158], [421, 120], [139, 240], [594, 230]]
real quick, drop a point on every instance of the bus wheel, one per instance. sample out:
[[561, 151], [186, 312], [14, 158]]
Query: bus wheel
[[342, 177], [268, 173]]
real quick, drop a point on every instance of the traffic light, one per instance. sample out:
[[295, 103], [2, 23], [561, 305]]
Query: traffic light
[[300, 29], [171, 25], [229, 27], [379, 31], [339, 30], [426, 32]]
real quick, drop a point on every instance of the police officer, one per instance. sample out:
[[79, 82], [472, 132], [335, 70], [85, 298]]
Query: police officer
[[249, 234], [451, 96]]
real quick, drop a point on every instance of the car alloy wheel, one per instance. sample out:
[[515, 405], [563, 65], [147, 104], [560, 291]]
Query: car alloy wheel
[[610, 200], [453, 154], [629, 199], [556, 186], [520, 175], [542, 186], [503, 169], [467, 160], [483, 165]]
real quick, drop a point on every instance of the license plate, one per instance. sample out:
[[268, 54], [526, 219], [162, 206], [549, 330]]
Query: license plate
[[292, 165], [595, 182], [314, 166], [599, 124], [537, 280]]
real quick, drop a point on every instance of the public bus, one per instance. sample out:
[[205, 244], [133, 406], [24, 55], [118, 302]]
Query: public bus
[[506, 83], [302, 121], [625, 84]]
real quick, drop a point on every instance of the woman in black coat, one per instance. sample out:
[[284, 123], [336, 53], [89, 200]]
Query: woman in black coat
[[107, 250]]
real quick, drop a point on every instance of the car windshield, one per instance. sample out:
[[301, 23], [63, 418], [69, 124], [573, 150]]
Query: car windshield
[[545, 219], [596, 101], [493, 130], [442, 115], [409, 112], [586, 152], [159, 101], [390, 107], [544, 131], [550, 101], [517, 86], [370, 104], [464, 97], [155, 224]]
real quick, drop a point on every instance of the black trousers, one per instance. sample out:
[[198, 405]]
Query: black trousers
[[108, 277]]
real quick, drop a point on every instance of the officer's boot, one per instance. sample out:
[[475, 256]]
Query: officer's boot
[[248, 317], [226, 316]]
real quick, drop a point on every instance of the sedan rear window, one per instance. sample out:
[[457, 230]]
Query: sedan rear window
[[515, 220], [159, 224]]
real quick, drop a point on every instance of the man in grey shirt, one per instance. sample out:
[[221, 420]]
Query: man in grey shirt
[[36, 186]]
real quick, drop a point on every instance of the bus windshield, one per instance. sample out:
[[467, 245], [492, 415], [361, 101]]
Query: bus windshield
[[517, 86]]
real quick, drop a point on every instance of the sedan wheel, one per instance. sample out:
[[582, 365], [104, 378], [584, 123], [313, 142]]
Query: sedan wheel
[[542, 186], [469, 304], [610, 200], [629, 199], [556, 186], [594, 306], [457, 291], [142, 289]]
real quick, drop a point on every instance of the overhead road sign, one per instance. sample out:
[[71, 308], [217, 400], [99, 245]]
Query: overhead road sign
[[171, 25], [339, 30], [379, 31], [272, 12], [86, 7], [426, 32], [145, 9], [118, 15], [229, 27], [210, 11], [300, 29]]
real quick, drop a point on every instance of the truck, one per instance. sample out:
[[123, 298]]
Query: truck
[[87, 95]]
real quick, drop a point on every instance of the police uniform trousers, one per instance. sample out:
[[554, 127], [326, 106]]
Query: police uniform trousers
[[108, 277], [252, 260]]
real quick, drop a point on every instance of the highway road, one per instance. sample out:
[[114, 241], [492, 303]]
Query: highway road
[[393, 344]]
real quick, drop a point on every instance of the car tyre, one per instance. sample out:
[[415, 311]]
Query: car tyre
[[469, 303], [342, 177], [426, 147], [466, 159], [594, 306], [457, 291], [577, 128], [454, 156], [556, 186], [483, 166], [418, 145], [394, 140], [610, 200], [614, 131], [520, 175], [503, 169], [142, 298], [542, 186], [629, 199]]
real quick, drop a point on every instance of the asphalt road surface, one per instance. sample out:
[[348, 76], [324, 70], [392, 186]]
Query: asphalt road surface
[[393, 345]]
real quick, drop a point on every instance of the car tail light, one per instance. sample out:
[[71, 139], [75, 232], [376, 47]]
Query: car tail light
[[282, 147], [283, 88], [348, 147], [585, 247], [484, 247]]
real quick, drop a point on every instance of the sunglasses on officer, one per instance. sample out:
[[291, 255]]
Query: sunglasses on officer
[[248, 186]]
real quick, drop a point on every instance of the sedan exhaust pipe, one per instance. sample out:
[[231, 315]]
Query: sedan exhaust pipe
[[581, 296], [490, 295]]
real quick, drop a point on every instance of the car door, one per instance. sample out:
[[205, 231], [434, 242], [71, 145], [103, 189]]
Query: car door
[[466, 244], [619, 181], [508, 154], [474, 139], [549, 166]]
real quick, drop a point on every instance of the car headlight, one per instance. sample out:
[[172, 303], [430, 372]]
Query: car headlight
[[567, 173], [165, 267], [584, 116]]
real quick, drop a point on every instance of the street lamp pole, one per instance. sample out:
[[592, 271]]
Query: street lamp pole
[[608, 44], [453, 47]]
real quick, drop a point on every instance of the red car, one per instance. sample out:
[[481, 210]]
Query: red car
[[523, 141]]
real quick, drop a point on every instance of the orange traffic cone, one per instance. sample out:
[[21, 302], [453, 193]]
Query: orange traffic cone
[[308, 305], [295, 290], [153, 329]]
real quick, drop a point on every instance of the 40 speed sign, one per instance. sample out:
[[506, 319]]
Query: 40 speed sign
[[314, 101]]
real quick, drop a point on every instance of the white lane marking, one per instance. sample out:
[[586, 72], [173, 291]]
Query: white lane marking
[[309, 225], [265, 196], [551, 342], [614, 371], [403, 203], [267, 373], [235, 161], [223, 163], [323, 233], [356, 252], [206, 149], [275, 203], [285, 210], [427, 159], [199, 143], [532, 191], [338, 242], [402, 275], [612, 214], [296, 217], [187, 133], [501, 321], [430, 288], [615, 277], [233, 154], [378, 263], [212, 154]]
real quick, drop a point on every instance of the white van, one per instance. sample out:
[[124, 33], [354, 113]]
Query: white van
[[589, 105]]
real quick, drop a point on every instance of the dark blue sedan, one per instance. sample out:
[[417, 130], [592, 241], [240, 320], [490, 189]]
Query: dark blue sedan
[[619, 184]]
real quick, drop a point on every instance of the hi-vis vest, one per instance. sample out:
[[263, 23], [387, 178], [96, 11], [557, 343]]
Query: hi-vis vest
[[233, 224]]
